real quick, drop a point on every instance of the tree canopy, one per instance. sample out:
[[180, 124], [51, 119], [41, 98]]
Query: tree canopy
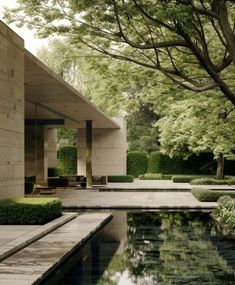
[[192, 42]]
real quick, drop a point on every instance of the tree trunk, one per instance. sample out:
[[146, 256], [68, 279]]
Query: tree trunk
[[220, 167]]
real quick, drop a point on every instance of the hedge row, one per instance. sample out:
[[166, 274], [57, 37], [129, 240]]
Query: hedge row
[[155, 176], [67, 160], [212, 181], [120, 178], [29, 211], [207, 195], [226, 211], [186, 178], [137, 163]]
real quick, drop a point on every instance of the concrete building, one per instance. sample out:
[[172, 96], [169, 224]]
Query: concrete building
[[33, 103]]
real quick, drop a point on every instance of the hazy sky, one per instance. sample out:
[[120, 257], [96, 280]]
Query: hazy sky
[[31, 43]]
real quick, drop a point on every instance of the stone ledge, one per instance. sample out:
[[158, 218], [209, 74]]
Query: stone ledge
[[21, 242]]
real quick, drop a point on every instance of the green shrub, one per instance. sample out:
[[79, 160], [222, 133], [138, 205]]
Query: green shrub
[[212, 181], [120, 178], [161, 163], [67, 160], [226, 211], [137, 163], [185, 178], [29, 211], [207, 195], [28, 187], [155, 176]]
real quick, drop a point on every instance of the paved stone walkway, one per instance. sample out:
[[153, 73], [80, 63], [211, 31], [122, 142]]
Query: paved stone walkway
[[156, 200], [163, 184]]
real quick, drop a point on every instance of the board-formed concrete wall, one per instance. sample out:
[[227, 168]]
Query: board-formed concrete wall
[[11, 113], [108, 151], [32, 167]]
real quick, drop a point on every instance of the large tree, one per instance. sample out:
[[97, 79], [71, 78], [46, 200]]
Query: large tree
[[194, 125], [192, 42]]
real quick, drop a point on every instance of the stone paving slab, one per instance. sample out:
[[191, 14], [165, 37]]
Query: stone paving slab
[[35, 262], [88, 199], [15, 237], [161, 185]]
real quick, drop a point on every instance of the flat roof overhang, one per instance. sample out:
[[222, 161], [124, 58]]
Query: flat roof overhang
[[57, 100]]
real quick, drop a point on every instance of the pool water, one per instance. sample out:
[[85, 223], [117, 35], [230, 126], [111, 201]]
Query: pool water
[[163, 248]]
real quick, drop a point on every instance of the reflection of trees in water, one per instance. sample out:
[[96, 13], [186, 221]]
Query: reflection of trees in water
[[171, 249]]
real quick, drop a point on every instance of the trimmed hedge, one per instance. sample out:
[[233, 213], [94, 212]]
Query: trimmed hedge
[[67, 160], [137, 163], [120, 178], [186, 178], [226, 211], [160, 163], [212, 181], [207, 195], [29, 211], [155, 176], [196, 164]]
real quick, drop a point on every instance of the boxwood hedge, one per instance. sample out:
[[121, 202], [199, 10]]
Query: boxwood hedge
[[29, 211], [226, 211], [212, 181], [120, 178], [155, 176], [137, 163], [207, 195]]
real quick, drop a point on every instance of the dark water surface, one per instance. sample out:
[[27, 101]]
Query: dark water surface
[[160, 248]]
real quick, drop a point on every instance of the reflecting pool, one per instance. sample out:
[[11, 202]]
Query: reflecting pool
[[164, 248]]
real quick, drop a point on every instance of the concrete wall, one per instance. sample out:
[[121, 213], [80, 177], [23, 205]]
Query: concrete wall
[[11, 113], [109, 151], [40, 167], [51, 151]]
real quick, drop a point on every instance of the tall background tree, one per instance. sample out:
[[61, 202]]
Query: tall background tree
[[191, 42]]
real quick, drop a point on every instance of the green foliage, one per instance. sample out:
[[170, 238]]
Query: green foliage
[[28, 187], [29, 211], [141, 134], [186, 178], [67, 160], [155, 176], [226, 210], [160, 163], [68, 135], [137, 163], [128, 31], [207, 195], [120, 178], [212, 181], [194, 125]]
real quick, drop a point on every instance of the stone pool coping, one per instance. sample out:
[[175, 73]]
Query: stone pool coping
[[36, 262], [11, 247]]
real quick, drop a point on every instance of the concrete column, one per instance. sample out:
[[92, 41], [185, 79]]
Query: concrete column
[[52, 154], [89, 154], [38, 152]]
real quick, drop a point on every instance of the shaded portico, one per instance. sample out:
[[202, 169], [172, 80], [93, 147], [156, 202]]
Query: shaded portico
[[51, 103]]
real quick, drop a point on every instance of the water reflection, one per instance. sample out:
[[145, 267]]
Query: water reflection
[[145, 248]]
